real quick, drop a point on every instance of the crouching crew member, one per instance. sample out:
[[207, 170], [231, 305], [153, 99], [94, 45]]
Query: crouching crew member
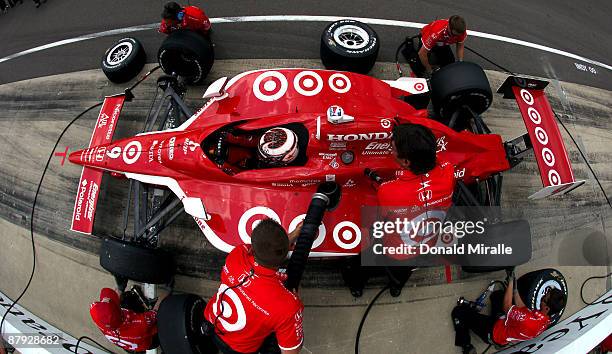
[[126, 320], [252, 311], [436, 38], [175, 17], [514, 323], [423, 184]]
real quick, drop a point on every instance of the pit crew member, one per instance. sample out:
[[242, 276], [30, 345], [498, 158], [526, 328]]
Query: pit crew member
[[252, 311], [126, 320], [423, 184], [437, 37], [277, 147], [515, 323], [175, 17]]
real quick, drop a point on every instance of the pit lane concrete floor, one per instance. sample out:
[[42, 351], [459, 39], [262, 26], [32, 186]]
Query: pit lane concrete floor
[[68, 280], [33, 112]]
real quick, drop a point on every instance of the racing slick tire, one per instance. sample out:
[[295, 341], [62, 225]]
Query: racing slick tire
[[135, 262], [531, 286], [460, 84], [349, 45], [123, 60], [188, 54], [179, 320]]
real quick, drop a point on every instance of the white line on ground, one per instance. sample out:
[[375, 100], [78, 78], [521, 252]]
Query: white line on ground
[[305, 18]]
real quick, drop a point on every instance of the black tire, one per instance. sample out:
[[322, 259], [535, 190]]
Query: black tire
[[178, 325], [459, 84], [349, 45], [123, 60], [141, 264], [188, 54], [531, 287]]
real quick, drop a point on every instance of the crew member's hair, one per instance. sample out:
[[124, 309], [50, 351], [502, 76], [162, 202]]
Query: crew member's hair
[[270, 243], [417, 144], [556, 300], [457, 24], [171, 10]]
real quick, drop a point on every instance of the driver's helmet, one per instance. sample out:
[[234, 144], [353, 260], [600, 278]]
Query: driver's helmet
[[278, 147]]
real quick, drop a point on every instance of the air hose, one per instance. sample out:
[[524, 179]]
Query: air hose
[[326, 198]]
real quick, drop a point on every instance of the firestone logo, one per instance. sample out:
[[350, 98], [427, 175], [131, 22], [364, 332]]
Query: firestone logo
[[362, 136], [548, 156]]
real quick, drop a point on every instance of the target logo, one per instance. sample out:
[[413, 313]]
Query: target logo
[[308, 83], [347, 235], [385, 123], [270, 86], [526, 96], [132, 152], [321, 234], [339, 83], [232, 315], [419, 86], [251, 218]]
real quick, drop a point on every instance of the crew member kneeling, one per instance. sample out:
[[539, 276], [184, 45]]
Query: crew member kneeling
[[514, 323], [252, 311], [126, 320], [423, 184], [436, 38], [175, 17]]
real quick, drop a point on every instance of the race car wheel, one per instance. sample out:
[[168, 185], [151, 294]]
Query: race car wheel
[[188, 54], [349, 45], [135, 262], [179, 319], [460, 84], [532, 286], [123, 60]]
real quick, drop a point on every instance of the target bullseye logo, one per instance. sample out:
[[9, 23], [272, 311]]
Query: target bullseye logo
[[132, 152], [308, 83], [339, 83], [347, 235], [541, 135], [548, 157], [534, 115], [270, 86], [253, 216], [526, 96], [419, 86], [385, 123], [232, 315], [320, 237]]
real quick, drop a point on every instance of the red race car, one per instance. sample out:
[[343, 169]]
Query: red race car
[[341, 123]]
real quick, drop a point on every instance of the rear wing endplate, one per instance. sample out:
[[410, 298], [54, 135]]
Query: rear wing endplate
[[551, 156], [89, 183]]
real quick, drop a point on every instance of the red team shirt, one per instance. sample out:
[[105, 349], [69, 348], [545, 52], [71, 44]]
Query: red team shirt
[[132, 331], [519, 324], [420, 197], [194, 19], [438, 33], [257, 308]]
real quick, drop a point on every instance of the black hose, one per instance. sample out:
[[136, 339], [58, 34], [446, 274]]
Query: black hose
[[303, 245], [365, 315], [584, 283], [489, 60]]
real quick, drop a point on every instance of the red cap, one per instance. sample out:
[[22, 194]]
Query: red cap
[[106, 312]]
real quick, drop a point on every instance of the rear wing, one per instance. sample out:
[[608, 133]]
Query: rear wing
[[544, 135], [89, 183]]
